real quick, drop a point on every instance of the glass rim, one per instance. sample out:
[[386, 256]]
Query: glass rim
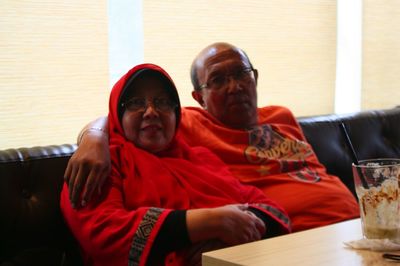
[[362, 163]]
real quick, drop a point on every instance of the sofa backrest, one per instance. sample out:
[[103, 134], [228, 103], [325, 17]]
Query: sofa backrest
[[374, 134], [32, 231]]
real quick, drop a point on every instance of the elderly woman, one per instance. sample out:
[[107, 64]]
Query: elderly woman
[[165, 201]]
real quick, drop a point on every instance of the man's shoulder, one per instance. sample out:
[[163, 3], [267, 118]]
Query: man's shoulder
[[275, 114], [191, 113], [191, 109], [275, 108], [194, 118], [271, 114]]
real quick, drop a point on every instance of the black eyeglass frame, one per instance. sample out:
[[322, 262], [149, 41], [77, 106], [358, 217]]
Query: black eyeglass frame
[[244, 70], [169, 107]]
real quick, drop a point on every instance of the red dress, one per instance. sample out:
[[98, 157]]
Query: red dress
[[144, 188]]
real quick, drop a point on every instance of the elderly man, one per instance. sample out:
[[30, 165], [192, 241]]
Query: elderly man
[[264, 147]]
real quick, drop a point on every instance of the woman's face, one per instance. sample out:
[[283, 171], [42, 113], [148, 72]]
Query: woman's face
[[149, 119]]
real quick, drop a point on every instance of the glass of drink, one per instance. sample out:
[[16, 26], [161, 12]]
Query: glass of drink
[[377, 187]]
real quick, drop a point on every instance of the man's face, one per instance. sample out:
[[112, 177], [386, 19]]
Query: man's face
[[228, 87]]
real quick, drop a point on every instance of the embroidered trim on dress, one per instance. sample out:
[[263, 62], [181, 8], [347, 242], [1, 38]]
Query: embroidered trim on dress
[[281, 216], [142, 234]]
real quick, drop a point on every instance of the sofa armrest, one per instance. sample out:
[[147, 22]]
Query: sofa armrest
[[31, 225]]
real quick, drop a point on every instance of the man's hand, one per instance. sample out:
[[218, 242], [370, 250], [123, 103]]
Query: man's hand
[[88, 167]]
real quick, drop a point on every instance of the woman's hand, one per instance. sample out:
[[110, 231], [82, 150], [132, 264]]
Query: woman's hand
[[231, 224], [88, 167]]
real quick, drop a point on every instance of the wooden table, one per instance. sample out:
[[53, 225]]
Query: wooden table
[[320, 246]]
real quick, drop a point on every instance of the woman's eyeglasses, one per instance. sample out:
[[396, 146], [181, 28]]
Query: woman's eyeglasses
[[136, 104]]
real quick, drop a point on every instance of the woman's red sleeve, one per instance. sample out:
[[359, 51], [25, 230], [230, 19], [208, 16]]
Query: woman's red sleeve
[[108, 233]]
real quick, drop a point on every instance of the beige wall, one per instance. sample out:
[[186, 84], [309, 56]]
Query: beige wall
[[53, 69], [54, 56], [291, 43], [381, 54]]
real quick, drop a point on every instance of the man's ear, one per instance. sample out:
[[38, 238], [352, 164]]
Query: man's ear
[[198, 97], [255, 75]]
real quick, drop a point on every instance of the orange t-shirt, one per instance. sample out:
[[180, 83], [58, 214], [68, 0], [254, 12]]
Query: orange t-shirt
[[275, 157]]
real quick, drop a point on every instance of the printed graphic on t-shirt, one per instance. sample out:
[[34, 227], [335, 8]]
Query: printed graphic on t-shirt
[[277, 154]]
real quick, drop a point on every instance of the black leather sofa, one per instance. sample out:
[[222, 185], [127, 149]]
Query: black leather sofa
[[32, 231], [374, 134]]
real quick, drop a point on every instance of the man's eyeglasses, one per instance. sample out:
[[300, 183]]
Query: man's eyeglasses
[[137, 104], [217, 82]]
